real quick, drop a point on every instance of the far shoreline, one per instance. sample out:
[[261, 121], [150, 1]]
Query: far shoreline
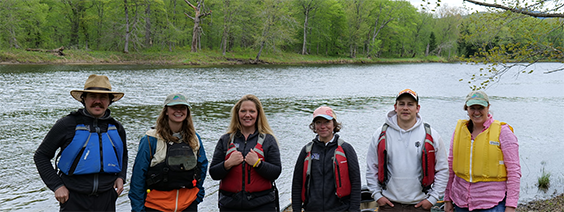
[[197, 59]]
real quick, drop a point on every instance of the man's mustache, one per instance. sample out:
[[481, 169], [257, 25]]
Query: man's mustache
[[97, 104]]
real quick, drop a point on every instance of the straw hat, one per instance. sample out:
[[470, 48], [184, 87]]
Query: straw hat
[[97, 84]]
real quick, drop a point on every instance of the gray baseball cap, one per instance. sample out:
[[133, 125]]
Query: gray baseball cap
[[176, 99], [477, 98]]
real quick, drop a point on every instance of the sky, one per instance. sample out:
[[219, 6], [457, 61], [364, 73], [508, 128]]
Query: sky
[[450, 3]]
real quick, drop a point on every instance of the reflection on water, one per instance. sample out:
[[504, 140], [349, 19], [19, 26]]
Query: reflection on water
[[34, 97]]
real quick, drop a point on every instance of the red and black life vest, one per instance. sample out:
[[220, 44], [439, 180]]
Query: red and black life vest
[[427, 159], [243, 176], [340, 169]]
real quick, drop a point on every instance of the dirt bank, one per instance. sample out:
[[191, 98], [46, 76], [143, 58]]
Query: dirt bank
[[554, 204]]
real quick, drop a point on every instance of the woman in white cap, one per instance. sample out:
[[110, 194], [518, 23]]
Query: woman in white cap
[[247, 160], [170, 166], [326, 174], [483, 161]]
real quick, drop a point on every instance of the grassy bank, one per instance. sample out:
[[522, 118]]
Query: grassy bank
[[182, 57]]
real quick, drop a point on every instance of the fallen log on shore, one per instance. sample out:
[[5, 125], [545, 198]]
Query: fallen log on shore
[[57, 51]]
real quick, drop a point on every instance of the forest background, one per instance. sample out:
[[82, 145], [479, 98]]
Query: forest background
[[267, 31]]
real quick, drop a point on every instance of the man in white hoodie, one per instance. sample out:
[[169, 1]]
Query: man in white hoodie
[[407, 167]]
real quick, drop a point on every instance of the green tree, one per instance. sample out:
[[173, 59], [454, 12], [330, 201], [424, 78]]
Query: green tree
[[357, 12], [401, 38], [530, 38], [75, 12], [332, 29], [432, 42], [381, 14], [447, 27], [508, 41], [20, 25], [308, 9], [277, 25]]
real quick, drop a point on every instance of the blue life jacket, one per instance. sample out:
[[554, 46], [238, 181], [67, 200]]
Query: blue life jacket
[[92, 151]]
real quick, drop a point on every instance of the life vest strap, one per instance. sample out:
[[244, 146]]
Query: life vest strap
[[342, 180], [427, 159]]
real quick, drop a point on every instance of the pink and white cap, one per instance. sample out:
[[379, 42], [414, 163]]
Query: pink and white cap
[[325, 112]]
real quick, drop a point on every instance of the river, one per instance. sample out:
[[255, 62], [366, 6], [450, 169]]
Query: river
[[34, 96]]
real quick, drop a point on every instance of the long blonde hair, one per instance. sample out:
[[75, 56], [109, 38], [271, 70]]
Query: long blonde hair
[[187, 131], [261, 124]]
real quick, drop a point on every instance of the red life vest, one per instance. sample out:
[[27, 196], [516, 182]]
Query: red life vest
[[427, 159], [243, 176], [340, 169]]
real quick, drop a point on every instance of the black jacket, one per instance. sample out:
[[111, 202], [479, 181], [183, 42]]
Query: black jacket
[[270, 169], [60, 135], [322, 194]]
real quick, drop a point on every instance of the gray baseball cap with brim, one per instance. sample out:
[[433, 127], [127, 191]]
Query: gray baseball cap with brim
[[477, 98], [176, 99]]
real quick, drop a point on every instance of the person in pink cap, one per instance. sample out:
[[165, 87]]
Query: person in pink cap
[[406, 161], [483, 161], [326, 174]]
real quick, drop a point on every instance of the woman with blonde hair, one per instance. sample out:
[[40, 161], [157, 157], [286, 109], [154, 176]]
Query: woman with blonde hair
[[247, 160], [171, 163]]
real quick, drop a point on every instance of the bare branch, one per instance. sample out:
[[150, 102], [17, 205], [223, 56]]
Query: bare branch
[[206, 14], [189, 16], [191, 5], [555, 70], [517, 10]]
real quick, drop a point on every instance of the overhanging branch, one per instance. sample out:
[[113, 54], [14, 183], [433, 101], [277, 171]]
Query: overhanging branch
[[518, 10]]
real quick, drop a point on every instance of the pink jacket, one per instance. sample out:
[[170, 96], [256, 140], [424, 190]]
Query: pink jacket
[[484, 195]]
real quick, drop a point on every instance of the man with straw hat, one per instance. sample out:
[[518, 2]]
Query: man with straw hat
[[91, 166]]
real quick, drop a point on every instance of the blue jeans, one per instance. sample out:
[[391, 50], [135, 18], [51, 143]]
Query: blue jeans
[[498, 208]]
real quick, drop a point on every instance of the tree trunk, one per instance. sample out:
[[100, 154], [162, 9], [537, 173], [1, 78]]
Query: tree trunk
[[74, 28], [86, 35], [304, 51], [148, 25], [264, 33], [260, 51], [196, 31], [126, 46], [224, 40], [14, 41], [226, 21]]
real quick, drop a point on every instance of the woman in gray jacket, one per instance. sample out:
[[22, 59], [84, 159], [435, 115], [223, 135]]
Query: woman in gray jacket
[[326, 175]]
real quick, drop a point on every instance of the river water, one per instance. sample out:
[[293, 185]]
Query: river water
[[34, 97]]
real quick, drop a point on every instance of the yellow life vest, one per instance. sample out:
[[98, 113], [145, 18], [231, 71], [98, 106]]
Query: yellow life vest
[[479, 160]]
